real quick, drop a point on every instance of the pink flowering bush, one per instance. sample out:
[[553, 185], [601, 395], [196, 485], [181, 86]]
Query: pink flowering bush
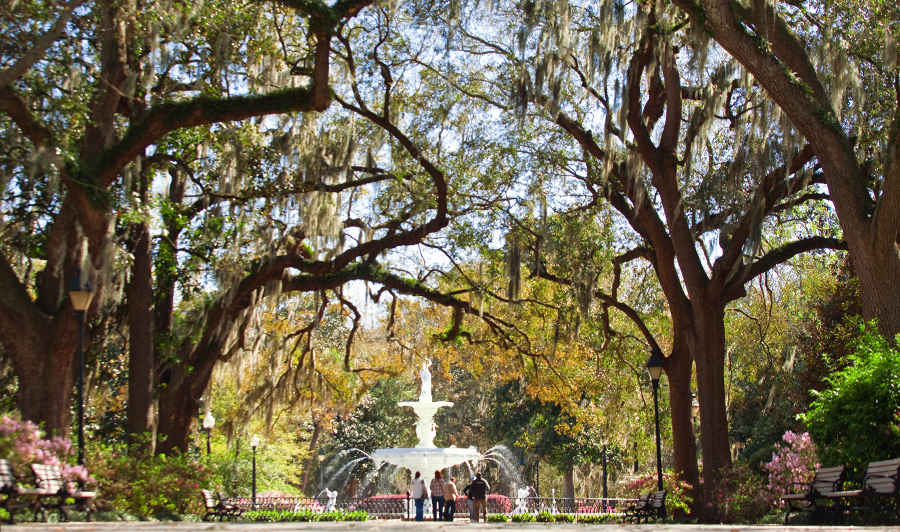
[[678, 499], [792, 463], [22, 443]]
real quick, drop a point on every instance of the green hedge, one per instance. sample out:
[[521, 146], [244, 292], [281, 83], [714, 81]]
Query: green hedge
[[283, 516]]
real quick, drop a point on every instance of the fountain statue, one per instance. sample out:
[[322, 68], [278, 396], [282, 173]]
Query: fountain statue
[[426, 456]]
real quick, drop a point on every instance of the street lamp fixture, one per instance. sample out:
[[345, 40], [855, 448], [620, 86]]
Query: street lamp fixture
[[254, 443], [321, 466], [208, 423], [80, 294], [739, 442], [695, 407], [654, 368]]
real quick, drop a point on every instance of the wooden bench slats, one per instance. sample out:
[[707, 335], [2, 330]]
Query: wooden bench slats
[[15, 494], [808, 495], [879, 491], [55, 492], [646, 506]]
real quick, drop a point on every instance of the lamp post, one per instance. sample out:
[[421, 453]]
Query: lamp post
[[254, 443], [695, 413], [321, 466], [80, 294], [208, 423], [654, 368]]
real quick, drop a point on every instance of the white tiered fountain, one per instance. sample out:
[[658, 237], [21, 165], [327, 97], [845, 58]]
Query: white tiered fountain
[[426, 457]]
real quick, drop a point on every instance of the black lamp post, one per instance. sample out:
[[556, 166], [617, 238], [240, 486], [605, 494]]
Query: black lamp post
[[321, 466], [654, 367], [208, 424], [254, 443], [80, 294]]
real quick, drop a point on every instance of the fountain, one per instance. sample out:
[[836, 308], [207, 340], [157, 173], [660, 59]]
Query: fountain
[[426, 457]]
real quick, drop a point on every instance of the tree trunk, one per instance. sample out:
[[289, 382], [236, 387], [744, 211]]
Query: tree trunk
[[141, 344], [709, 347], [569, 482], [179, 404], [684, 446], [307, 462], [45, 363]]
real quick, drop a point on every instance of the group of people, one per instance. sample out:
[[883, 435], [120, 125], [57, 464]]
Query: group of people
[[443, 496]]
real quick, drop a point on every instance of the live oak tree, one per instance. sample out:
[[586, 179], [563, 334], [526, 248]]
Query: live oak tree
[[831, 67], [682, 144]]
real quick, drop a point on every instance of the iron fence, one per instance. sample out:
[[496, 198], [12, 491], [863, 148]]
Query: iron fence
[[403, 507]]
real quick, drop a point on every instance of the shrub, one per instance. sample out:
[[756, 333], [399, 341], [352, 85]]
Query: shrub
[[21, 443], [738, 498], [565, 518], [498, 518], [523, 518], [679, 492], [545, 517], [598, 519], [499, 503], [145, 485], [305, 516], [792, 463], [855, 421]]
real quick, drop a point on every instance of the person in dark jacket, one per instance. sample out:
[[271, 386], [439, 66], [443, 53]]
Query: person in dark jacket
[[477, 491]]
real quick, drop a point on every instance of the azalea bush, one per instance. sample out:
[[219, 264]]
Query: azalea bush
[[145, 485], [23, 443], [679, 496], [739, 496], [792, 463]]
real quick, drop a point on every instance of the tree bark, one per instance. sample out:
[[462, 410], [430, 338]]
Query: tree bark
[[141, 340], [569, 482], [307, 462], [684, 447]]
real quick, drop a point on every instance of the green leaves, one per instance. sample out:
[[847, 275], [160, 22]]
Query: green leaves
[[855, 421]]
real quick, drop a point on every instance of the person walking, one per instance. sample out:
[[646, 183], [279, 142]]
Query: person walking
[[419, 493], [437, 497], [478, 490], [450, 495]]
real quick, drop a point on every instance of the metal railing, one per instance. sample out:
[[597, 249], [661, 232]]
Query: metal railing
[[403, 507]]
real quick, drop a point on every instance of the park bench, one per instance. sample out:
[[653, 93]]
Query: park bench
[[648, 505], [806, 496], [219, 505], [878, 491], [56, 493], [14, 493]]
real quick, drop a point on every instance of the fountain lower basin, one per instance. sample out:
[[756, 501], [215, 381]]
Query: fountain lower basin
[[427, 460]]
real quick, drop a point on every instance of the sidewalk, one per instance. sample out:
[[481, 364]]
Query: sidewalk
[[459, 526]]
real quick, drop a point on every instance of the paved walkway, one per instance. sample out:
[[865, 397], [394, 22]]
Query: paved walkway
[[459, 526]]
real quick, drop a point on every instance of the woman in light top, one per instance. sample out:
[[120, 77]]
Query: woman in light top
[[419, 493]]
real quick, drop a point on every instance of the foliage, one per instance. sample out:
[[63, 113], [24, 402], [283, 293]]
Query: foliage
[[498, 518], [285, 516], [738, 497], [22, 444], [792, 463], [855, 421], [599, 519], [143, 484], [565, 518], [679, 494], [500, 503], [545, 517], [523, 518]]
